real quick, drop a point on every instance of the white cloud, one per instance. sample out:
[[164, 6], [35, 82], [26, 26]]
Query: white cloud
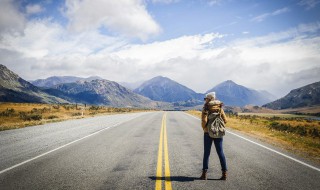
[[264, 16], [34, 9], [11, 20], [165, 1], [126, 17], [185, 46], [276, 62], [214, 2], [309, 4], [43, 38]]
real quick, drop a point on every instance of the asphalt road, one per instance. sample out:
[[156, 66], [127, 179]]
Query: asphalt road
[[122, 152]]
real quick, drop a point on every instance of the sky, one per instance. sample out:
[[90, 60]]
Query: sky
[[267, 45]]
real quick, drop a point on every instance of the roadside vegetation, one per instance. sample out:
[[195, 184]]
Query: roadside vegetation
[[19, 115], [295, 134]]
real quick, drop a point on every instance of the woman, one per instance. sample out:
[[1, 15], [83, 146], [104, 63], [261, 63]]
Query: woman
[[212, 105]]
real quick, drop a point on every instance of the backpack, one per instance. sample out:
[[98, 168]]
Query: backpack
[[216, 126]]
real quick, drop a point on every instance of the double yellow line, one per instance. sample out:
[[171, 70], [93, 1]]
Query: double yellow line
[[163, 143]]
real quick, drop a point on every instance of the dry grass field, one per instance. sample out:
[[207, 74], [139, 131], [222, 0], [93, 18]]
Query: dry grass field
[[18, 115], [295, 134]]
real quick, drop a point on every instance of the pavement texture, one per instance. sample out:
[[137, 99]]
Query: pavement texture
[[121, 152]]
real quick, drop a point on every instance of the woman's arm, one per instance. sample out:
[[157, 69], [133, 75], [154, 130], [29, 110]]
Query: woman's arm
[[204, 118], [223, 116]]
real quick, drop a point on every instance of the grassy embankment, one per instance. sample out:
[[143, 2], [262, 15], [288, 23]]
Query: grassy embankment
[[19, 115], [295, 134]]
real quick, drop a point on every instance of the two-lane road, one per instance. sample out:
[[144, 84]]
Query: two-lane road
[[155, 150]]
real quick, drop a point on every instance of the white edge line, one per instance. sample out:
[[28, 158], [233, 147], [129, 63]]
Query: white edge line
[[296, 160], [31, 159]]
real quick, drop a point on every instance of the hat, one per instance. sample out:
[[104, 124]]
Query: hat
[[211, 95]]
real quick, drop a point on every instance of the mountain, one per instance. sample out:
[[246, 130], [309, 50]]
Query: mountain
[[52, 81], [15, 89], [131, 85], [233, 94], [166, 90], [305, 96], [101, 92]]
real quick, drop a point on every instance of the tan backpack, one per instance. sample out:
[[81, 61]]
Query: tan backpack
[[216, 126]]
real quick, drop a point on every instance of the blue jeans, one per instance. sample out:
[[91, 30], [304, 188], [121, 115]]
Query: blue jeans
[[207, 148]]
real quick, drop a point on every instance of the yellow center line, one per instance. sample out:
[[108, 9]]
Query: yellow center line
[[163, 141], [166, 157], [159, 165]]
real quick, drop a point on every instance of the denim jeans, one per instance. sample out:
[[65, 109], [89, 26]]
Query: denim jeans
[[207, 149]]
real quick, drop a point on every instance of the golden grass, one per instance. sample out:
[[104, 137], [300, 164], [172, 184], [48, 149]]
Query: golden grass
[[259, 127], [29, 114], [283, 115]]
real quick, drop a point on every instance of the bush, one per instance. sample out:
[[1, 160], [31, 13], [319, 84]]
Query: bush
[[8, 112], [94, 108], [76, 114], [56, 107], [314, 132], [52, 117], [28, 117], [300, 130], [35, 110]]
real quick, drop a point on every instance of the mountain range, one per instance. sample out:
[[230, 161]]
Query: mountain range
[[166, 90], [15, 89], [305, 96], [100, 92], [233, 94], [158, 92], [55, 80]]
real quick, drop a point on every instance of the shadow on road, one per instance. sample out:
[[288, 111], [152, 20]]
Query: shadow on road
[[178, 178]]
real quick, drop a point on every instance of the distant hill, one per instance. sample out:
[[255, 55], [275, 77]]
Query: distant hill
[[101, 92], [166, 90], [233, 94], [15, 89], [308, 95], [55, 80]]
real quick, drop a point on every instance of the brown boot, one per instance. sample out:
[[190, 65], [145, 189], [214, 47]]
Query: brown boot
[[224, 175], [204, 175]]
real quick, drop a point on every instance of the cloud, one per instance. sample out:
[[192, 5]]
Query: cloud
[[264, 16], [125, 17], [185, 46], [11, 20], [43, 38], [214, 2], [277, 62], [308, 4], [165, 1], [34, 9]]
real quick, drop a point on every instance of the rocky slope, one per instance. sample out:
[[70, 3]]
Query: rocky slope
[[305, 96], [15, 89]]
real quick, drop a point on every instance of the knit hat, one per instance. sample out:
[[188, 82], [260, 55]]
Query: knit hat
[[211, 95]]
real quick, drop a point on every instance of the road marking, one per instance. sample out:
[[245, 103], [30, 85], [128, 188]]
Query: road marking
[[163, 142], [166, 157], [159, 165], [270, 149], [41, 155]]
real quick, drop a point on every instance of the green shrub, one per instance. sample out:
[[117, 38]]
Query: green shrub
[[28, 117]]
